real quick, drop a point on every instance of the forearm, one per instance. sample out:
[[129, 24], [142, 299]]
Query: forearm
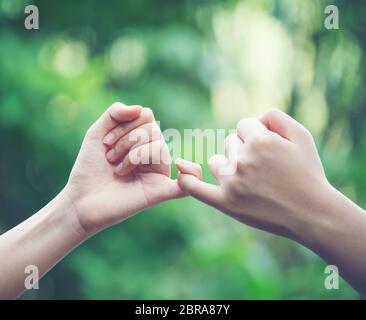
[[338, 235], [42, 240]]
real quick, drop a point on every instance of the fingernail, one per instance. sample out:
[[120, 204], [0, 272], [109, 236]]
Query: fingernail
[[110, 154], [109, 138]]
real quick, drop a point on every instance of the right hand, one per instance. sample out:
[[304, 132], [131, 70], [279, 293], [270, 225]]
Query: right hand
[[277, 182]]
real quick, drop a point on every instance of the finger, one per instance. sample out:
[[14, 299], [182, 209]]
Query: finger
[[205, 192], [220, 166], [117, 132], [162, 162], [188, 167], [122, 113], [233, 146], [248, 127], [137, 137], [116, 113], [282, 124], [147, 154]]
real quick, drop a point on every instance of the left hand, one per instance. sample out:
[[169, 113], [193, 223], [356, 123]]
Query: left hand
[[105, 192]]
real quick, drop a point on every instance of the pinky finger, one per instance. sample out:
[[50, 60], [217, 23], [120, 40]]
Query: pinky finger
[[188, 167]]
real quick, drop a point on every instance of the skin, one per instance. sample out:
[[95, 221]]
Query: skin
[[98, 194], [271, 178]]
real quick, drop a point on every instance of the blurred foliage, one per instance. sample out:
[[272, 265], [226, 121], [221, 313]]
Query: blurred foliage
[[198, 64]]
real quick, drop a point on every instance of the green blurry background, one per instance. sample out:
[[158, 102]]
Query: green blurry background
[[197, 64]]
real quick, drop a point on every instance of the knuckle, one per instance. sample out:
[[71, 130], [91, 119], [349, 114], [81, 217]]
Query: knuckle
[[273, 112], [307, 133], [90, 131], [244, 165], [115, 106], [260, 140], [148, 114], [247, 122], [229, 138], [155, 130], [242, 123]]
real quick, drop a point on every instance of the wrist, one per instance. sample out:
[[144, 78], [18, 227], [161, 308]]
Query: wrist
[[85, 213], [316, 215], [41, 240], [65, 214], [331, 214]]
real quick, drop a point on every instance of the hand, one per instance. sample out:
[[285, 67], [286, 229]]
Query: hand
[[98, 194], [104, 192], [276, 181]]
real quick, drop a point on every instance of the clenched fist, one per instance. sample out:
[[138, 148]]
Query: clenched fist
[[270, 177], [123, 167]]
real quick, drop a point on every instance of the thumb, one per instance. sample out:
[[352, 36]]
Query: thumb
[[189, 181]]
